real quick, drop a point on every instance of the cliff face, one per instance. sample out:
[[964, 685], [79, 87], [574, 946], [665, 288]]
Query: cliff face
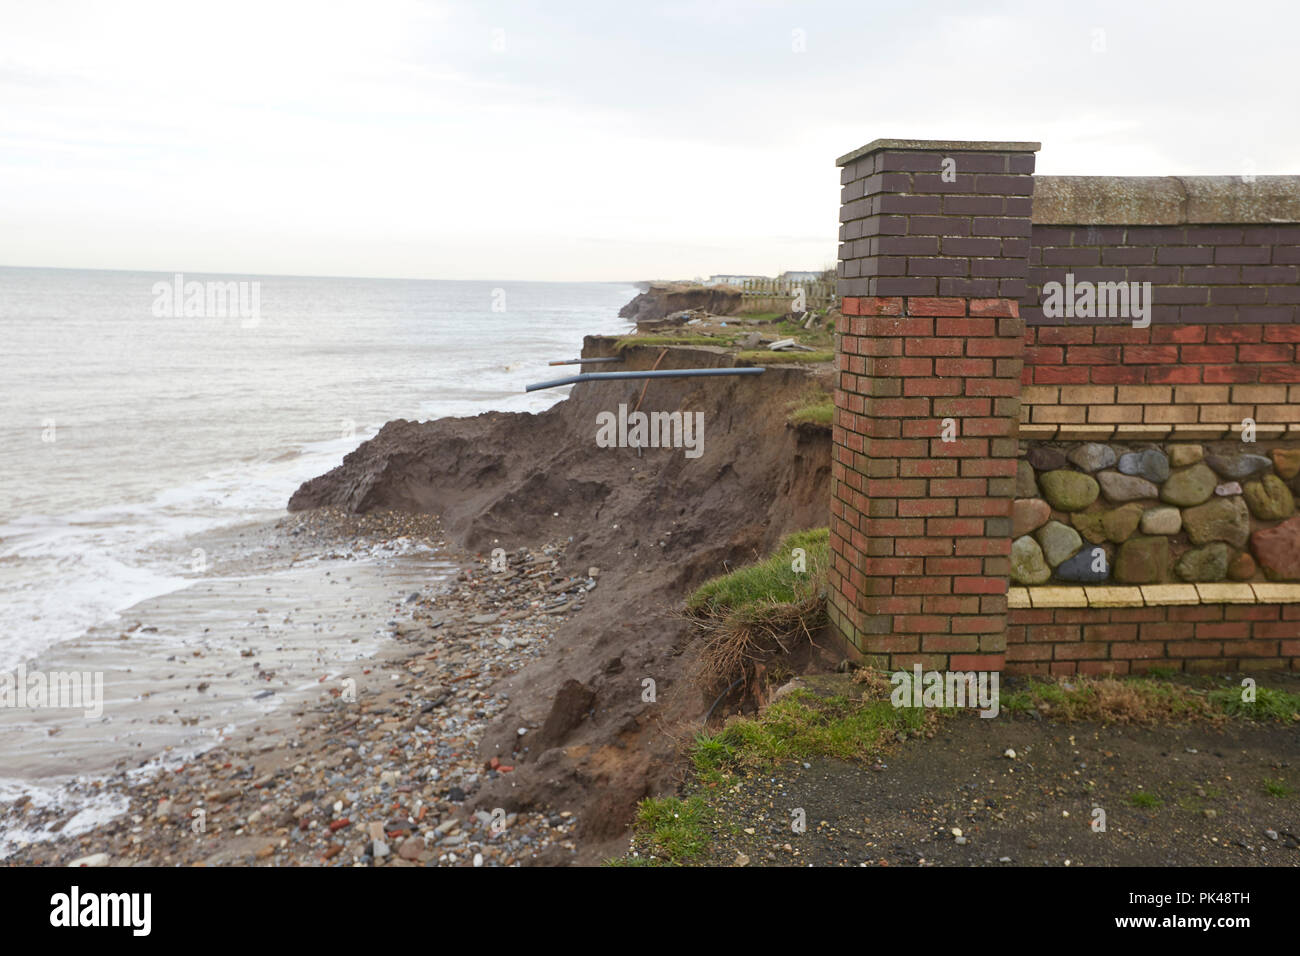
[[664, 299], [657, 525]]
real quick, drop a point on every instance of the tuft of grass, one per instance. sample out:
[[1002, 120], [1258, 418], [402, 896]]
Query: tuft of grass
[[671, 831], [1269, 704], [768, 357], [1277, 788], [822, 414], [801, 725], [1144, 800], [771, 580], [1016, 702], [761, 612], [815, 408]]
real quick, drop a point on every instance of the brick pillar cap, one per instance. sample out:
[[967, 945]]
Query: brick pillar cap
[[938, 145]]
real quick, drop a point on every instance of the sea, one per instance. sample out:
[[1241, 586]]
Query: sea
[[123, 429]]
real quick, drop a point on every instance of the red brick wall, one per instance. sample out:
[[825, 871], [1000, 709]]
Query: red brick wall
[[1207, 637], [1161, 355]]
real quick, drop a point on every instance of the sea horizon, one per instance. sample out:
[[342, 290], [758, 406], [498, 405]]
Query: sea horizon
[[293, 275]]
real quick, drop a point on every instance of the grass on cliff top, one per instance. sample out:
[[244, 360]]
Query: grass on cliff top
[[768, 357], [820, 337], [1146, 700], [815, 408], [771, 580], [632, 341]]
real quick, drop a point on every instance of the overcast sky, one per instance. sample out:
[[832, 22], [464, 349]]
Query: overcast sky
[[579, 140]]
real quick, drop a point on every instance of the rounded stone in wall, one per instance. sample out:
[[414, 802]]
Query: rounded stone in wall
[[1069, 490], [1143, 560], [1182, 455], [1093, 456], [1208, 563], [1027, 563], [1058, 541], [1162, 520], [1242, 567], [1092, 565], [1277, 550], [1046, 459], [1119, 487], [1286, 462], [1119, 524], [1151, 464], [1269, 499], [1238, 467], [1223, 519], [1028, 514], [1189, 486]]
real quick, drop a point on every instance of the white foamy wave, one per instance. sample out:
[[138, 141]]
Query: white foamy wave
[[89, 810], [57, 598], [67, 573]]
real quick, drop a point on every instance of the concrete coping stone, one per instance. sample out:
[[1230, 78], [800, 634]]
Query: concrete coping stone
[[1184, 432], [1153, 595], [936, 146], [1165, 200]]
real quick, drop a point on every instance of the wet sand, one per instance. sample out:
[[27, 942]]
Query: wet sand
[[282, 612]]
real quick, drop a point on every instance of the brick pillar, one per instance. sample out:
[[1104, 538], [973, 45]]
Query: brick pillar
[[933, 259]]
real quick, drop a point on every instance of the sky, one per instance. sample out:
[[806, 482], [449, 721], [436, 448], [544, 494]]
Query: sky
[[609, 140]]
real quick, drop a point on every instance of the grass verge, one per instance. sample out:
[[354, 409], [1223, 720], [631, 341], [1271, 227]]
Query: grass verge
[[633, 341], [1145, 700]]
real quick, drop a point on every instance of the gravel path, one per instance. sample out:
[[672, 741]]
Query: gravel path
[[957, 799]]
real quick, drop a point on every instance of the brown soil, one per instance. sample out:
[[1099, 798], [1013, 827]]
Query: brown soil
[[656, 524]]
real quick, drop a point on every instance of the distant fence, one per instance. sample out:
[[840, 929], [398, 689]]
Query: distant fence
[[777, 295]]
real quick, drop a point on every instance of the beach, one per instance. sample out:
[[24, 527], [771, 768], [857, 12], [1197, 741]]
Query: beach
[[351, 734]]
